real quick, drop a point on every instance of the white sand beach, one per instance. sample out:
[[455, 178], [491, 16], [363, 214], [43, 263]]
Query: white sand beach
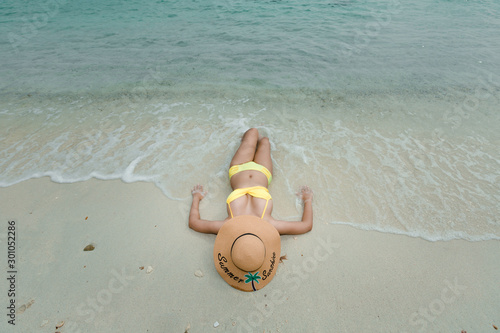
[[335, 279], [110, 111]]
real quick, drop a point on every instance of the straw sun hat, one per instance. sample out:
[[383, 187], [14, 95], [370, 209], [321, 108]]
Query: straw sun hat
[[247, 252]]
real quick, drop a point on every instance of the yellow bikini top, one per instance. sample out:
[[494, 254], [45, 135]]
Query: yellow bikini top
[[255, 191]]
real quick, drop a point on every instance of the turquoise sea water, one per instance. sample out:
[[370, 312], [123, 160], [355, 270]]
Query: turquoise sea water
[[388, 109]]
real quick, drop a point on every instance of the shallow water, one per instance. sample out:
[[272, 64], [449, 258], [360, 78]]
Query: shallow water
[[388, 110]]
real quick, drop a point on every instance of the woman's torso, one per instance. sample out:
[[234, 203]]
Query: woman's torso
[[246, 204]]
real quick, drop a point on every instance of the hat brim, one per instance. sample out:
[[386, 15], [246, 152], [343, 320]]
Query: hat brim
[[228, 233]]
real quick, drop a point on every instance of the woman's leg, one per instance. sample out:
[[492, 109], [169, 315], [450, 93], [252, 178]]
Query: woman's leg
[[263, 154], [246, 151]]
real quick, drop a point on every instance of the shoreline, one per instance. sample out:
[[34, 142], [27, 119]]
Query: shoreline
[[415, 166], [341, 277]]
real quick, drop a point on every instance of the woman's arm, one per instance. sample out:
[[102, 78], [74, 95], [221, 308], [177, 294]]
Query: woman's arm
[[303, 226], [195, 222]]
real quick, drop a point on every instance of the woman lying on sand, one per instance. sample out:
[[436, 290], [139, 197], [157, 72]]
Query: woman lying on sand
[[248, 247], [250, 174]]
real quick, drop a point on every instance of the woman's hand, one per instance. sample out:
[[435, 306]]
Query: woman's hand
[[198, 192], [305, 193]]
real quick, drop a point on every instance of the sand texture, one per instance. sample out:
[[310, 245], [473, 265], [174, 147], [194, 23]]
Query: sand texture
[[148, 272]]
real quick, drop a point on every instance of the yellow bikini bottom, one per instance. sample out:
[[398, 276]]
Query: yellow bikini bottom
[[250, 166], [255, 191]]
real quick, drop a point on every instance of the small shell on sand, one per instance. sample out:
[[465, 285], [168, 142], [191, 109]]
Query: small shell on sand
[[216, 324], [89, 247], [45, 322], [198, 273], [149, 269], [23, 307], [60, 325]]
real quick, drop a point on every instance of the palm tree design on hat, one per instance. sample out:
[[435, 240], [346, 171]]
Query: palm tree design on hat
[[251, 278]]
